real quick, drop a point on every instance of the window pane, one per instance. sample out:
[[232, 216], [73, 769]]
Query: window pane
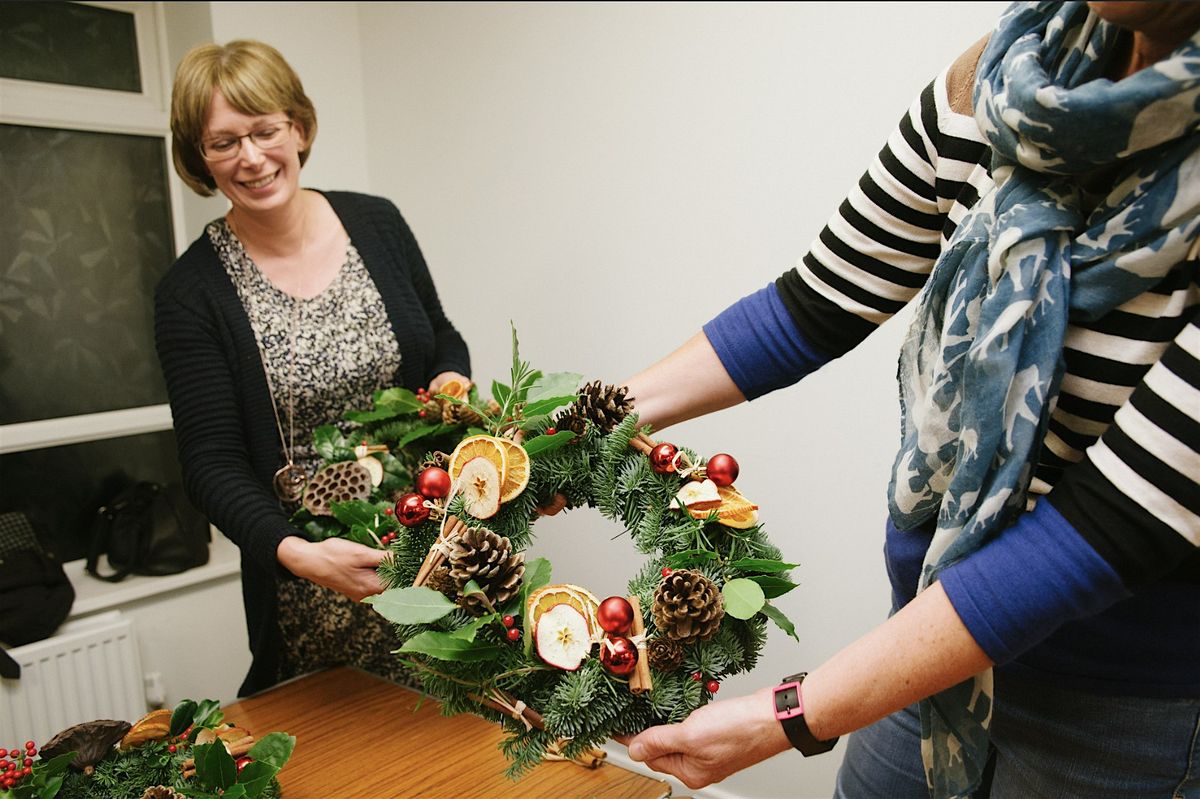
[[85, 225], [61, 488], [69, 43]]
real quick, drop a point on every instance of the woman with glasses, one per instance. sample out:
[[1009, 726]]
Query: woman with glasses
[[289, 310]]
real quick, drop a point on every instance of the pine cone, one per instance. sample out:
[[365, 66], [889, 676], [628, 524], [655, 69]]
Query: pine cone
[[603, 406], [688, 607], [482, 556], [440, 580], [571, 421], [337, 482], [161, 792], [664, 654]]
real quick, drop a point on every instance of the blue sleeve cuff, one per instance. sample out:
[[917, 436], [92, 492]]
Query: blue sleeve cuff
[[1035, 576], [759, 345]]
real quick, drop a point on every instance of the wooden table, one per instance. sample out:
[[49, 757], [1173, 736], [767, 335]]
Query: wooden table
[[360, 737]]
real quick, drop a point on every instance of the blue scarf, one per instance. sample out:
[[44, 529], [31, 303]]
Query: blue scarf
[[981, 365]]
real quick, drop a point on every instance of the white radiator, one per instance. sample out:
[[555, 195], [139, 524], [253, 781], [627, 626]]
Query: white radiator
[[90, 669]]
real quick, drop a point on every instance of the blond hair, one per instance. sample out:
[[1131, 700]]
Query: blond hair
[[253, 77]]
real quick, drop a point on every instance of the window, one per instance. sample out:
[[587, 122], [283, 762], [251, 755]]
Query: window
[[89, 221]]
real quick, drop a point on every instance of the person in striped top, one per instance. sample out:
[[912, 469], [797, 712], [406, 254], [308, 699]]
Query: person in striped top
[[1039, 205]]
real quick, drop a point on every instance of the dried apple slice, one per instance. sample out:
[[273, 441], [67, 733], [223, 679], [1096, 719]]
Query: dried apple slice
[[479, 481], [562, 638]]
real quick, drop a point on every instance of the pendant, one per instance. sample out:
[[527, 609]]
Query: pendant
[[290, 482]]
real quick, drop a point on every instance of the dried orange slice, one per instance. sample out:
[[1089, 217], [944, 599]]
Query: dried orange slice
[[454, 388], [735, 510], [481, 446], [516, 473], [550, 596]]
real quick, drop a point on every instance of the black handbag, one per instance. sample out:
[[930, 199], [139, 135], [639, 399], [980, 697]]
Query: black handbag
[[144, 532], [35, 593]]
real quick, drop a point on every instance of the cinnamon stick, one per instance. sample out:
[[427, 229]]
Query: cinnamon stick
[[506, 704], [451, 530], [641, 681], [640, 445], [236, 750], [589, 758]]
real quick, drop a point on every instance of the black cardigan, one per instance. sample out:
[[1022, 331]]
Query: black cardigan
[[224, 425]]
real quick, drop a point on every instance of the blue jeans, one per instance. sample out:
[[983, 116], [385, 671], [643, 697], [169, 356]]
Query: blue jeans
[[1048, 742]]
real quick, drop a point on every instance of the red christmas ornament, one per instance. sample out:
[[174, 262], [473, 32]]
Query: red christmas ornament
[[242, 762], [615, 615], [619, 656], [662, 458], [433, 483], [722, 469], [411, 510], [712, 686]]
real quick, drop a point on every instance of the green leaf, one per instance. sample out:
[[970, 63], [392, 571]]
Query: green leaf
[[537, 574], [237, 791], [255, 777], [500, 392], [690, 557], [467, 631], [743, 598], [399, 400], [366, 417], [544, 406], [541, 445], [182, 716], [445, 646], [420, 432], [555, 384], [319, 528], [274, 748], [411, 605], [356, 511], [331, 445], [758, 565], [214, 766], [772, 586], [208, 714], [776, 615]]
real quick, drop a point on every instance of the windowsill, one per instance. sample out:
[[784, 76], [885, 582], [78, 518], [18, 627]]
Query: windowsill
[[93, 595]]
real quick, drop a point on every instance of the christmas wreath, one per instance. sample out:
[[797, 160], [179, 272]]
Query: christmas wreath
[[451, 486], [166, 754]]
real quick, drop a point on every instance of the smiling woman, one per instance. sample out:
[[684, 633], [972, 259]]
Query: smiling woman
[[292, 308]]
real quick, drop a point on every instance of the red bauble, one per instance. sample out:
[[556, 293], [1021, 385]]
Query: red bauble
[[662, 458], [615, 615], [722, 469], [411, 510], [619, 656], [433, 483]]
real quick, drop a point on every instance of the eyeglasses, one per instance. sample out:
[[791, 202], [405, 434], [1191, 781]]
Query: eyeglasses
[[267, 137]]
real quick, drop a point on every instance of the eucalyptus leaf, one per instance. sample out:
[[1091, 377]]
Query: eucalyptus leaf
[[759, 565], [274, 748], [773, 587], [743, 598], [411, 605], [544, 406], [356, 511], [776, 615], [445, 646], [400, 400], [543, 444]]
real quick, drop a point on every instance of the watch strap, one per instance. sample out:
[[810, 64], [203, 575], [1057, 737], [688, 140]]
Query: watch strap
[[789, 709]]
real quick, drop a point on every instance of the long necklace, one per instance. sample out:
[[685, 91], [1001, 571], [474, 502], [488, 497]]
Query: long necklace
[[289, 480]]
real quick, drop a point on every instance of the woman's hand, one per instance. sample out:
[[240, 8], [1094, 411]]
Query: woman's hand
[[714, 741], [336, 563], [435, 385]]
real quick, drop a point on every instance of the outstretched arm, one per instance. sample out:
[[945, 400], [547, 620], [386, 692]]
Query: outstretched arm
[[922, 649], [689, 382]]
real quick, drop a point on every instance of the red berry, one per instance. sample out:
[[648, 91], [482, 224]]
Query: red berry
[[3, 753], [712, 686], [667, 571], [422, 413], [25, 772], [696, 677], [30, 744], [29, 761], [550, 431], [388, 511], [172, 748], [242, 762], [513, 634], [508, 621]]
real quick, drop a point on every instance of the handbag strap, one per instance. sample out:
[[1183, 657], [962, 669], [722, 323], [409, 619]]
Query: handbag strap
[[102, 533]]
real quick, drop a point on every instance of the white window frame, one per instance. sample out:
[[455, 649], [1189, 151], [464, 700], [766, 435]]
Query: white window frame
[[146, 113]]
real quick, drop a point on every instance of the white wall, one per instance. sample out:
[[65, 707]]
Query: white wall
[[608, 176]]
